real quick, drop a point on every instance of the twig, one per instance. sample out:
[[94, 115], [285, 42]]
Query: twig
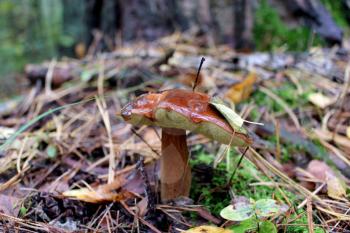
[[143, 140], [282, 104], [48, 78], [141, 167], [153, 228], [237, 166], [199, 70], [310, 222]]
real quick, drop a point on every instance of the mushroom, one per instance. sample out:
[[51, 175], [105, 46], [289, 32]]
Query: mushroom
[[176, 111]]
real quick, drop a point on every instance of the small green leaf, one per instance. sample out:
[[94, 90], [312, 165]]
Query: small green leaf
[[240, 213], [266, 207], [244, 226], [23, 211], [86, 75], [51, 151], [231, 116], [267, 227]]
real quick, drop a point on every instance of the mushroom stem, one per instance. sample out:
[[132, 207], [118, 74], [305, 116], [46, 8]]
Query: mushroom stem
[[175, 171]]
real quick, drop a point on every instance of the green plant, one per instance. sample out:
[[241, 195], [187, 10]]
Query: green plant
[[255, 211], [338, 12], [270, 32]]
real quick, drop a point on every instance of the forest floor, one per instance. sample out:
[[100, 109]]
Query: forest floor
[[70, 163]]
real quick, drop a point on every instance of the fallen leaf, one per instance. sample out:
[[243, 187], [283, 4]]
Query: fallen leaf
[[320, 100], [142, 207], [102, 193], [231, 116], [335, 187], [208, 229], [348, 131], [319, 169], [96, 196], [241, 91]]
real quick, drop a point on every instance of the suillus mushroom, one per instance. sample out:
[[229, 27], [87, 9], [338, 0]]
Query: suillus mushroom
[[176, 111]]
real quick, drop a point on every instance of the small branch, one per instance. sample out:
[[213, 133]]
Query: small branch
[[199, 70], [238, 164], [151, 201]]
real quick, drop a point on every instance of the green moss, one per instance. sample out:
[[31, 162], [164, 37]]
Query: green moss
[[300, 225], [245, 176], [287, 92], [270, 32], [338, 12], [213, 201]]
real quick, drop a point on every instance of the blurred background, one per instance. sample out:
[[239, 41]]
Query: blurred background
[[32, 31]]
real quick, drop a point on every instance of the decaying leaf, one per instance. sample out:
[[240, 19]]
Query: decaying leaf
[[231, 116], [319, 169], [335, 187], [208, 229], [241, 91], [320, 100], [97, 196], [103, 193]]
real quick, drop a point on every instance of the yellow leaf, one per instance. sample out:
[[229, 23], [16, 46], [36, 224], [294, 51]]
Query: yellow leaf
[[208, 229], [320, 100], [348, 131], [92, 196], [241, 91], [231, 116], [335, 187]]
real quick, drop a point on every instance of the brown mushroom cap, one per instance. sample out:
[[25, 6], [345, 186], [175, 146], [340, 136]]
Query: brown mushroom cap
[[183, 109]]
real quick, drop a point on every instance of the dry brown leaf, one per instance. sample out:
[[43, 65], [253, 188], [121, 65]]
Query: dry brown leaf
[[335, 186], [241, 91], [329, 136], [319, 169], [208, 229], [97, 196], [103, 193], [142, 207]]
